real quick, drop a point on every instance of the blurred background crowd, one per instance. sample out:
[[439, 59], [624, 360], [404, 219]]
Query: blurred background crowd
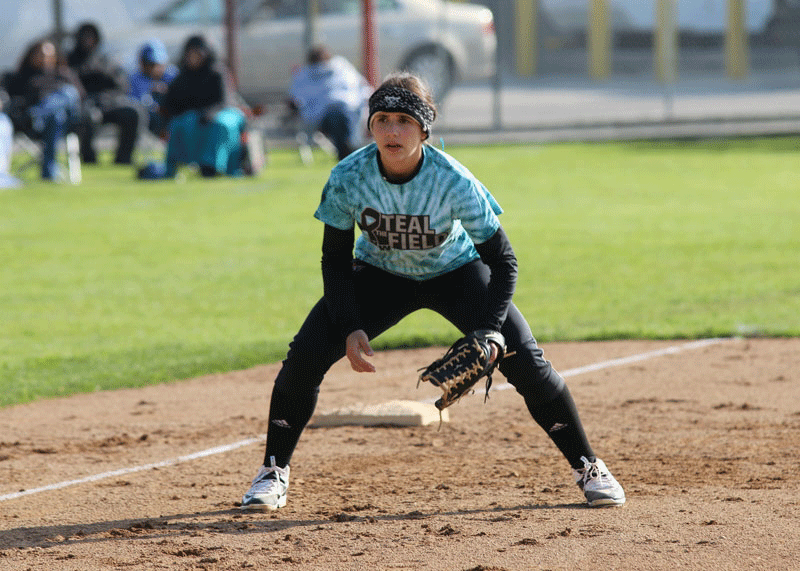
[[174, 72]]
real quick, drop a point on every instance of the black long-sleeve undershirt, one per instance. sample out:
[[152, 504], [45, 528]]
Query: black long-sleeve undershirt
[[337, 279], [498, 254]]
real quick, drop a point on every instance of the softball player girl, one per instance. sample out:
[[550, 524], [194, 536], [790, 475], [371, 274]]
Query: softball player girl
[[428, 237]]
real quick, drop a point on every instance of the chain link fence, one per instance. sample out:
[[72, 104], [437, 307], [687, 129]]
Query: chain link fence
[[563, 99]]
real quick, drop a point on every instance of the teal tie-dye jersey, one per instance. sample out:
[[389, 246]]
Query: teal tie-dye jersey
[[419, 229]]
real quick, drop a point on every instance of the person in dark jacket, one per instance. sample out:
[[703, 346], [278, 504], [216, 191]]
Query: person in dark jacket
[[205, 125], [51, 94], [106, 84]]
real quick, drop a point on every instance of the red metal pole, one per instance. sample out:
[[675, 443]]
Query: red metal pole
[[370, 44], [232, 39]]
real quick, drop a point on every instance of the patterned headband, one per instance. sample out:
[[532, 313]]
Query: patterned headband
[[391, 99]]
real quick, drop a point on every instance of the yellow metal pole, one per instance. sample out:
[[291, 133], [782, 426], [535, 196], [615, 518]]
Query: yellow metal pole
[[599, 39], [525, 40], [737, 57], [666, 41]]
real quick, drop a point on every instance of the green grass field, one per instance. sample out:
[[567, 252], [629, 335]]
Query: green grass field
[[118, 283]]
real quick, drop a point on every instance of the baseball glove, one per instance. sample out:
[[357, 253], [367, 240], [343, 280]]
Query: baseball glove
[[465, 363]]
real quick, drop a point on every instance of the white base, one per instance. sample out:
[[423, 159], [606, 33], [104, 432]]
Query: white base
[[394, 413]]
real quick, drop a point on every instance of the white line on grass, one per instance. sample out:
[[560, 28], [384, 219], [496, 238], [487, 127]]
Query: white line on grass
[[229, 447]]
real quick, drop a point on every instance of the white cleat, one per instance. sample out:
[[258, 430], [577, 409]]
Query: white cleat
[[269, 488], [599, 486]]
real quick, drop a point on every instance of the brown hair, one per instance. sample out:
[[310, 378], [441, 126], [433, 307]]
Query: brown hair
[[26, 62]]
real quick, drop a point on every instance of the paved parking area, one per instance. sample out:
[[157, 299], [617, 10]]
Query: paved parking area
[[566, 109]]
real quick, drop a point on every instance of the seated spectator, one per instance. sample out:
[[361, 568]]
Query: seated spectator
[[106, 84], [204, 124], [149, 84], [331, 97], [52, 96]]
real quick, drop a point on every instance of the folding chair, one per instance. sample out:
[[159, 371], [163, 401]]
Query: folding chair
[[305, 136]]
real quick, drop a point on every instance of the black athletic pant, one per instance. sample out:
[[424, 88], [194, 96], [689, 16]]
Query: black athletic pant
[[128, 119], [385, 299]]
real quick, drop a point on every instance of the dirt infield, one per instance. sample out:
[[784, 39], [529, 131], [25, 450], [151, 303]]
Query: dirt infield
[[704, 439]]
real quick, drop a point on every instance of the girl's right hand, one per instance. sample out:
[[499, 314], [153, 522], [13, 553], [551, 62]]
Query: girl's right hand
[[358, 343]]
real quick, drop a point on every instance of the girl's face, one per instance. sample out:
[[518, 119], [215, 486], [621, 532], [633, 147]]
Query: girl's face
[[45, 57], [399, 138], [88, 41], [195, 57]]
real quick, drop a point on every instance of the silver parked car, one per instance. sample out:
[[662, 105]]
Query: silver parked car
[[443, 41]]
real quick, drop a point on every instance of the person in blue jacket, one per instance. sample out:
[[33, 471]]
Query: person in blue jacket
[[148, 85], [331, 96]]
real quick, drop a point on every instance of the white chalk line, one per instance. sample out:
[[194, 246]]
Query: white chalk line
[[242, 443], [619, 362], [134, 469]]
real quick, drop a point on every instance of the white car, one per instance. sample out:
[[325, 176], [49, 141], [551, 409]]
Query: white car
[[443, 41]]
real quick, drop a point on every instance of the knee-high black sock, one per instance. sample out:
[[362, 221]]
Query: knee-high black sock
[[288, 416], [559, 418]]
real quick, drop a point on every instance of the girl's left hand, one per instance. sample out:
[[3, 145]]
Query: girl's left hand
[[495, 352]]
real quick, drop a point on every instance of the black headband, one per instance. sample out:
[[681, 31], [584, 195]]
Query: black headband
[[391, 99]]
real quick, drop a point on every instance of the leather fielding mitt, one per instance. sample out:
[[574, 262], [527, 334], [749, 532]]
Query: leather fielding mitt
[[466, 362]]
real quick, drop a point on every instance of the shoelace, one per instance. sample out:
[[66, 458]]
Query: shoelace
[[591, 471], [264, 482]]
